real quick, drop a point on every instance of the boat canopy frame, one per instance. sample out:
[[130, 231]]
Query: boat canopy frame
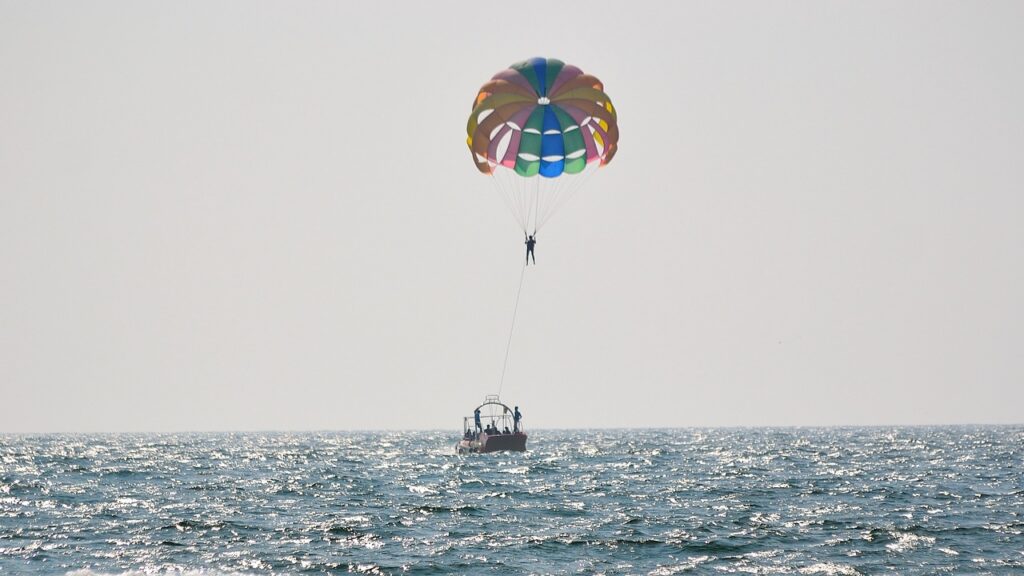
[[499, 414]]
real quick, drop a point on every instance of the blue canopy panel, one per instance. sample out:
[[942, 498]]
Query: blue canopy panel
[[552, 145], [540, 68]]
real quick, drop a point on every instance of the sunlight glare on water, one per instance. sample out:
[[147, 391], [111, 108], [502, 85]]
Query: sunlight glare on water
[[765, 501]]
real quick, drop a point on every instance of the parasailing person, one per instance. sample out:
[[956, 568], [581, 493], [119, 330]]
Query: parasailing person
[[538, 129]]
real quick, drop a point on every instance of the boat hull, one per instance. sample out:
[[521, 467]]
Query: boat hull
[[493, 443]]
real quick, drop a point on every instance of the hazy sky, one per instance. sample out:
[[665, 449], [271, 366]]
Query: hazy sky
[[262, 215]]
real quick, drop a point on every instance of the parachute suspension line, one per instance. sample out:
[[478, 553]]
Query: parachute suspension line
[[519, 189], [508, 345], [558, 185], [552, 195], [569, 191], [507, 189], [499, 190], [534, 200], [536, 204], [529, 197], [523, 195], [514, 185]]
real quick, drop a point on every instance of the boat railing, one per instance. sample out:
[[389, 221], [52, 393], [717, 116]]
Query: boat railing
[[492, 411], [502, 422]]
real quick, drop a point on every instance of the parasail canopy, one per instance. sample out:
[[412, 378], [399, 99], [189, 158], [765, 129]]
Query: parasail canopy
[[540, 117]]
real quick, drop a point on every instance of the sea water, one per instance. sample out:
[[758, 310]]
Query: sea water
[[687, 501]]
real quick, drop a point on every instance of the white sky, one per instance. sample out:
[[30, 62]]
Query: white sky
[[262, 215]]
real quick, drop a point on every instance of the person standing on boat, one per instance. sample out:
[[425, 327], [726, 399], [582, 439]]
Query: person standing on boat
[[516, 416], [530, 242], [476, 419]]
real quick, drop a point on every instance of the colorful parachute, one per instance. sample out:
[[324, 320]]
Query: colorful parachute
[[541, 117]]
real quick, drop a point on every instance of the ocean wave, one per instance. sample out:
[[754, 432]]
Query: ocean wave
[[790, 501], [159, 572]]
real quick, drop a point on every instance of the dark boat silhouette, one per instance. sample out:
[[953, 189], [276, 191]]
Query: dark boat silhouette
[[497, 432]]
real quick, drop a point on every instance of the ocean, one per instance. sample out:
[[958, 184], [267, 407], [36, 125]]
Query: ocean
[[914, 500]]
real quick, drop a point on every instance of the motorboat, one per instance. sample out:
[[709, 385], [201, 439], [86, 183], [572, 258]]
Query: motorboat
[[492, 428]]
